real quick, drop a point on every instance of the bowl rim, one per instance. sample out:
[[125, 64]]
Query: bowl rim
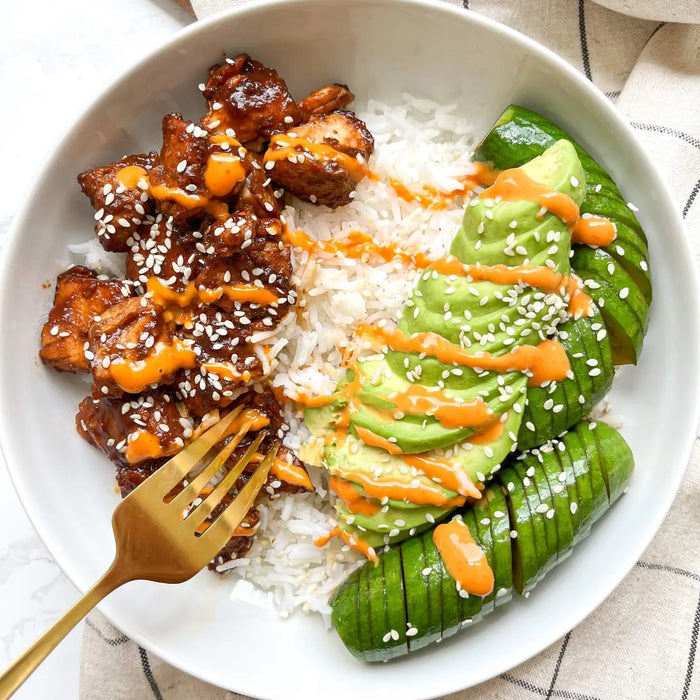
[[608, 111]]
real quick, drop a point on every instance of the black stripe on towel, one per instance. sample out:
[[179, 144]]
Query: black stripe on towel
[[584, 39], [562, 651], [542, 692], [691, 653], [671, 569], [661, 129], [116, 642], [146, 667], [691, 199]]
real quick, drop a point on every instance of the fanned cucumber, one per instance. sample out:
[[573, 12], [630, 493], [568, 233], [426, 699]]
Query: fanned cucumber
[[387, 611]]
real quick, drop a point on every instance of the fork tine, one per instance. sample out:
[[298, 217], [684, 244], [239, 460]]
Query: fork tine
[[219, 532], [183, 462], [195, 487], [203, 511]]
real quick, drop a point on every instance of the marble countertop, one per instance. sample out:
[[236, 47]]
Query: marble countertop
[[54, 58]]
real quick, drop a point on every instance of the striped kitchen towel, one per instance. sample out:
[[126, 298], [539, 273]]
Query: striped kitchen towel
[[642, 643]]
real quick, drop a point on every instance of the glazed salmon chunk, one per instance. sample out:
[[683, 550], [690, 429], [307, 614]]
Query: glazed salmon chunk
[[79, 301]]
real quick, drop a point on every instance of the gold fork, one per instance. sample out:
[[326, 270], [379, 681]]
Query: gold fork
[[162, 538]]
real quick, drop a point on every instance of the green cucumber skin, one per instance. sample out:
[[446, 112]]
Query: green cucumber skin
[[616, 461], [484, 539], [502, 553], [525, 563], [597, 463], [421, 610]]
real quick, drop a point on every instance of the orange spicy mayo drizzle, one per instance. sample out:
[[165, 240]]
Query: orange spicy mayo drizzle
[[162, 294], [546, 361], [258, 421], [222, 173], [355, 245], [287, 471], [418, 493], [451, 412], [449, 475], [351, 540], [354, 501], [282, 146], [488, 435], [314, 401], [464, 560], [594, 231], [227, 370], [358, 244], [514, 184], [433, 198], [142, 445], [130, 176], [374, 440], [134, 377]]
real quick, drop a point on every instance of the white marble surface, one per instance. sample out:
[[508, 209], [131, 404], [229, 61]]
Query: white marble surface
[[55, 56]]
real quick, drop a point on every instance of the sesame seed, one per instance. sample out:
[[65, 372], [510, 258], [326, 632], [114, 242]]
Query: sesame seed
[[573, 507]]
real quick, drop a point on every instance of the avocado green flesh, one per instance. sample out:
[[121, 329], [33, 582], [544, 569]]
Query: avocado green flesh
[[478, 316]]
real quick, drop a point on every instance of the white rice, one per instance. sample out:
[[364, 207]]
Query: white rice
[[419, 143]]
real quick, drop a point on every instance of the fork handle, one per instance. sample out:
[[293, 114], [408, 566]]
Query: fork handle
[[26, 664]]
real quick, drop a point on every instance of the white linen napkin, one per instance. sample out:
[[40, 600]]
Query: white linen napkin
[[642, 643]]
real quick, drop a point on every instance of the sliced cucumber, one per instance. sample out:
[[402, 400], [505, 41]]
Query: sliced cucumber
[[421, 611], [616, 460], [395, 606], [536, 473], [622, 304], [545, 543], [484, 538], [551, 470], [525, 559], [599, 490], [569, 479], [500, 534]]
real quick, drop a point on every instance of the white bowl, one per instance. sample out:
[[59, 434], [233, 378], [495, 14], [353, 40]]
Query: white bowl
[[379, 48]]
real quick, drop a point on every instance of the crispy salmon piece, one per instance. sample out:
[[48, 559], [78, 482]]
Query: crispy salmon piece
[[165, 250], [327, 99], [130, 333], [264, 263], [179, 182], [134, 430], [246, 96], [122, 205], [80, 299], [329, 173]]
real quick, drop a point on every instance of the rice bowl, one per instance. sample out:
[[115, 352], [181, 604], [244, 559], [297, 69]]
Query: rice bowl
[[542, 79]]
